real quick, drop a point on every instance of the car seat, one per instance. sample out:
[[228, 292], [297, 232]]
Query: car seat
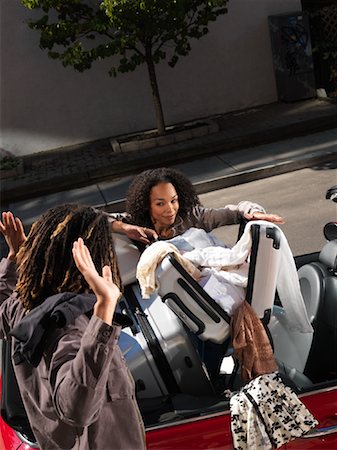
[[305, 357], [319, 287]]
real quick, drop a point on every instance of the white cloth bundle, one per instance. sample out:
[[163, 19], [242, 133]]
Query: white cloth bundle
[[224, 271], [266, 414], [228, 260], [149, 261]]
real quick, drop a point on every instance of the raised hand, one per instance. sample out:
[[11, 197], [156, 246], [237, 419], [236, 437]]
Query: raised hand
[[107, 293], [12, 229]]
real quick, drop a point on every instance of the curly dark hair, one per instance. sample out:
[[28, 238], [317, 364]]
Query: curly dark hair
[[138, 195], [45, 262]]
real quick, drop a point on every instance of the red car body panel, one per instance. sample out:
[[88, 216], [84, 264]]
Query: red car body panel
[[197, 435], [9, 440], [214, 432]]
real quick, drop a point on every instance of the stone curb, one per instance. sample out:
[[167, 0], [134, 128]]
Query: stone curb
[[196, 131], [128, 163]]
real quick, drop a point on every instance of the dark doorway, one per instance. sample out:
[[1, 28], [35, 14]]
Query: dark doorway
[[323, 29]]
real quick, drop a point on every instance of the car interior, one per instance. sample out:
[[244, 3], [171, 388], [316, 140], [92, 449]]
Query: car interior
[[167, 357], [303, 359]]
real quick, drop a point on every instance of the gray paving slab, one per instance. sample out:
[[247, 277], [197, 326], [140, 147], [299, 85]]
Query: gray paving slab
[[115, 190], [30, 210], [325, 141], [254, 157], [204, 168], [276, 152]]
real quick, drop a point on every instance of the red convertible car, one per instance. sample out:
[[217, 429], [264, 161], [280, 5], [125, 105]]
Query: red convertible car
[[185, 405]]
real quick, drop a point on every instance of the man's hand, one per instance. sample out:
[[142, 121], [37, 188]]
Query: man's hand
[[12, 229], [274, 218], [107, 293]]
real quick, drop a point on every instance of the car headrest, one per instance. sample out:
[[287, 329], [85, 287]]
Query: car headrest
[[328, 255]]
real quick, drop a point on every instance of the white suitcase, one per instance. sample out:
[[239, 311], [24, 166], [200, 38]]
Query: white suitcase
[[263, 269], [198, 311]]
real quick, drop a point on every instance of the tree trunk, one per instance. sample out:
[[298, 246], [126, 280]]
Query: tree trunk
[[155, 93]]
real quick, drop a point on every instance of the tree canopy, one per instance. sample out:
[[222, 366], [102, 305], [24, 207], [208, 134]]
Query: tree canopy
[[78, 32]]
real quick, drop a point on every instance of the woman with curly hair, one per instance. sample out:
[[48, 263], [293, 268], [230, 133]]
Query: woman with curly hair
[[162, 203], [58, 314]]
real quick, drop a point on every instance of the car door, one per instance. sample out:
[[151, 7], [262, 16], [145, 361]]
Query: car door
[[322, 403], [212, 432]]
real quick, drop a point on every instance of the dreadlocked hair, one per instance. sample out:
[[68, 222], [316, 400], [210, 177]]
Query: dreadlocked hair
[[45, 262], [138, 195]]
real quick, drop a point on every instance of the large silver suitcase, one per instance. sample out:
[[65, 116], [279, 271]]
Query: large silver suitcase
[[157, 347], [198, 311], [159, 351]]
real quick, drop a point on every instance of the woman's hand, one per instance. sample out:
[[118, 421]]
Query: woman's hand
[[107, 293], [274, 218], [12, 229], [134, 232]]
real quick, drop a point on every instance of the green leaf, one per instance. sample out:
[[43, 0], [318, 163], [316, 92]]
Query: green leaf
[[80, 32]]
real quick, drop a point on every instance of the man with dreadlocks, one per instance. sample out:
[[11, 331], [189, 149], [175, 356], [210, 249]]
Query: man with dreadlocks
[[59, 314]]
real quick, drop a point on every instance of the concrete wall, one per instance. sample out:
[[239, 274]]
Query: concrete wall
[[45, 106]]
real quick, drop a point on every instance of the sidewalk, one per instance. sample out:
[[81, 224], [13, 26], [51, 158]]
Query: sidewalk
[[241, 151]]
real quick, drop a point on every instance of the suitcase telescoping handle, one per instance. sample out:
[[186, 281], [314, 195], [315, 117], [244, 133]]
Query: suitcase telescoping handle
[[184, 313], [204, 300]]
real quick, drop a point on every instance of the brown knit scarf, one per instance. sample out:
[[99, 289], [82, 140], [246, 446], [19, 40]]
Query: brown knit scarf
[[251, 344]]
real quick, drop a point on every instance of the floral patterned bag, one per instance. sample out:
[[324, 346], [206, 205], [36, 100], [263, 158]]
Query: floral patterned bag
[[265, 414]]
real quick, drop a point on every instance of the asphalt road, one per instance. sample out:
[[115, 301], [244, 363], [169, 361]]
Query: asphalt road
[[297, 196]]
